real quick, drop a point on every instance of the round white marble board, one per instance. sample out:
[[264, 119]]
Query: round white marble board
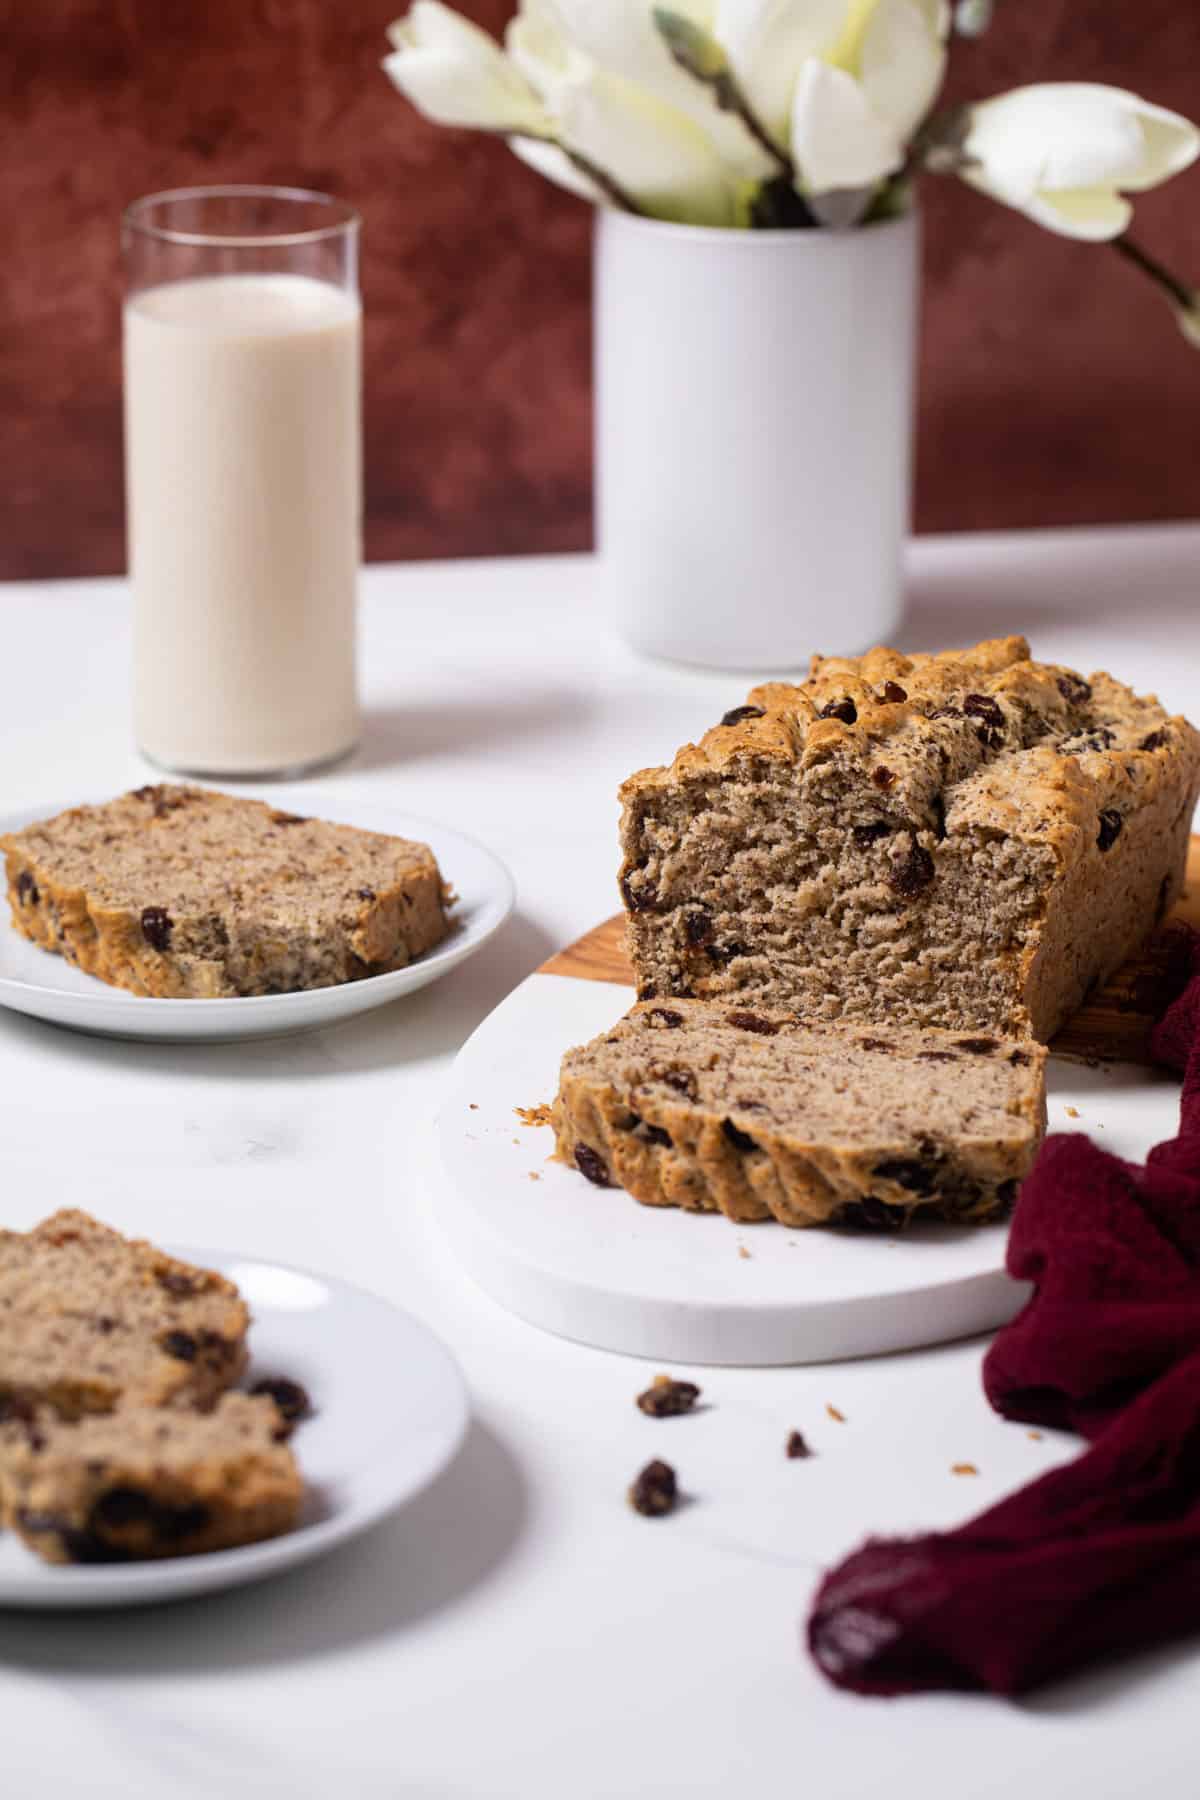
[[48, 987], [591, 1264], [370, 1445]]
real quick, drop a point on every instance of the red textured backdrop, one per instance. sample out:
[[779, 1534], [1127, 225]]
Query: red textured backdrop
[[1054, 386]]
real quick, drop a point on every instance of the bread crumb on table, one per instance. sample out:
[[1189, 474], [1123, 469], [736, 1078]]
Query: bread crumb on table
[[963, 1469], [534, 1115], [1072, 1112], [743, 1253], [835, 1414], [1035, 1435]]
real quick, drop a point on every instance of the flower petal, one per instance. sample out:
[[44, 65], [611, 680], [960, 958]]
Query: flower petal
[[1067, 135], [621, 37], [903, 62], [1094, 214], [456, 74], [553, 162], [660, 157], [767, 42], [837, 140], [1171, 144]]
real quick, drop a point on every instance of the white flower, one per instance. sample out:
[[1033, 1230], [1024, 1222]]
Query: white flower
[[620, 37], [841, 84], [656, 153], [456, 74], [1066, 153]]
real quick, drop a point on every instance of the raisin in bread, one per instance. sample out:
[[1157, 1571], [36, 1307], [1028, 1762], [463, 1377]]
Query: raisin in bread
[[183, 893], [759, 1115], [970, 840], [149, 1482], [90, 1320]]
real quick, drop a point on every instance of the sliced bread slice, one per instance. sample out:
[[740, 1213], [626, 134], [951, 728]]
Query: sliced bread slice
[[757, 1114], [149, 1481], [182, 893], [90, 1320]]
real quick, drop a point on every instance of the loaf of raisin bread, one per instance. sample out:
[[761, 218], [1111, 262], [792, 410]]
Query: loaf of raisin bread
[[759, 1115], [183, 893], [149, 1481], [90, 1320], [970, 840]]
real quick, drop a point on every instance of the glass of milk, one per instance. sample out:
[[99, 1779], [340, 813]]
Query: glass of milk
[[243, 467]]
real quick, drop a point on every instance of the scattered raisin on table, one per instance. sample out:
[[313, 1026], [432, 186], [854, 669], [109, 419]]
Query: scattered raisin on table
[[796, 1446], [655, 1491], [666, 1398]]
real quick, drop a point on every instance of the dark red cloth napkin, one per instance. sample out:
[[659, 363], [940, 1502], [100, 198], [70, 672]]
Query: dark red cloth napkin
[[1102, 1556]]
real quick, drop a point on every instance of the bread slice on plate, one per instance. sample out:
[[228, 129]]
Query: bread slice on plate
[[179, 892], [149, 1481], [757, 1114], [90, 1320], [972, 839]]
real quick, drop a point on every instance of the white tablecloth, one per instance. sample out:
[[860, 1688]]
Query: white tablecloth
[[518, 1632]]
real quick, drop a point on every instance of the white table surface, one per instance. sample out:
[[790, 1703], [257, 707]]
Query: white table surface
[[518, 1631]]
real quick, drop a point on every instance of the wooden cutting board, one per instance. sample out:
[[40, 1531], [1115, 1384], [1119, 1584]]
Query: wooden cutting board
[[1112, 1027]]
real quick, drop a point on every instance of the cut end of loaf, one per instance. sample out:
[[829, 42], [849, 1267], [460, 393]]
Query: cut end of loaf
[[970, 840]]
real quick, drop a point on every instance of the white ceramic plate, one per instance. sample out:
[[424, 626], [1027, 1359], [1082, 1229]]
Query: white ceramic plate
[[590, 1263], [367, 1449], [34, 981]]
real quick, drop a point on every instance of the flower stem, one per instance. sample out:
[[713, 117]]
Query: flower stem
[[1177, 291], [731, 99]]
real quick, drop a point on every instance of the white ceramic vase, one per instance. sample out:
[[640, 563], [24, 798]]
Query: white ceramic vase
[[754, 396]]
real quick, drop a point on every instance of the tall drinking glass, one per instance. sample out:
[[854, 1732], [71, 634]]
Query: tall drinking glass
[[243, 477]]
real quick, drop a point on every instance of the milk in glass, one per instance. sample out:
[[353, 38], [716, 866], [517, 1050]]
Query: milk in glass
[[243, 435]]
